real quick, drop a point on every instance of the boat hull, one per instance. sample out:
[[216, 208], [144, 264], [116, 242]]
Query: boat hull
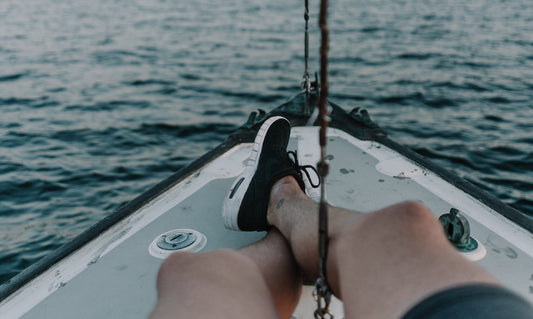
[[110, 270]]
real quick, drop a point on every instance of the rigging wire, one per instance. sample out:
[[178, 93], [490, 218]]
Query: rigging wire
[[306, 81]]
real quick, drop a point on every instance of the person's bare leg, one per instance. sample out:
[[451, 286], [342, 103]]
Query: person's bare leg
[[277, 265], [380, 264], [261, 279]]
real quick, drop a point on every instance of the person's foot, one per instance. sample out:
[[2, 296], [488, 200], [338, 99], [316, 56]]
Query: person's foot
[[245, 206]]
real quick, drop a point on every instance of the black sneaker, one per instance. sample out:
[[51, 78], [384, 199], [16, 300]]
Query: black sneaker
[[245, 207]]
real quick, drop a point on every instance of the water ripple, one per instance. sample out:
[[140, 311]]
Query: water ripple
[[12, 77]]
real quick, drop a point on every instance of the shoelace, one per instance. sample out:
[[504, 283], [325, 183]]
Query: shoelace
[[303, 168]]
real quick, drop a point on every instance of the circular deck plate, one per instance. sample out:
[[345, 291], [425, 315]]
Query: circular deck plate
[[177, 240]]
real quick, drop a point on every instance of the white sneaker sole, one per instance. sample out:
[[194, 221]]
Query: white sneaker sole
[[232, 202]]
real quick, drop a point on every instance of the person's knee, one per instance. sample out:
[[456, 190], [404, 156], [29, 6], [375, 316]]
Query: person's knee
[[409, 218], [412, 214], [404, 222], [173, 266]]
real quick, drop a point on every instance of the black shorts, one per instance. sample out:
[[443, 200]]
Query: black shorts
[[472, 301]]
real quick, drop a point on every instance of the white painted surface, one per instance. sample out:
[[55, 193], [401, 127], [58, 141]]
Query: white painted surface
[[398, 166]]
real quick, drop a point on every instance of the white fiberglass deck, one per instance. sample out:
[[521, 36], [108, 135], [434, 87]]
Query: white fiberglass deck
[[114, 276]]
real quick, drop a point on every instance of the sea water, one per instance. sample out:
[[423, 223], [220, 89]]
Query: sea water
[[100, 100]]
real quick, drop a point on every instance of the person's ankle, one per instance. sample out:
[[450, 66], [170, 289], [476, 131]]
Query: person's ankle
[[281, 191]]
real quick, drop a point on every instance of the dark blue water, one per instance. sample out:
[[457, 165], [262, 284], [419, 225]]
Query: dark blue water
[[100, 100]]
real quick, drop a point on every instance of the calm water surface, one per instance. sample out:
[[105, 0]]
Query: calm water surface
[[100, 100]]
